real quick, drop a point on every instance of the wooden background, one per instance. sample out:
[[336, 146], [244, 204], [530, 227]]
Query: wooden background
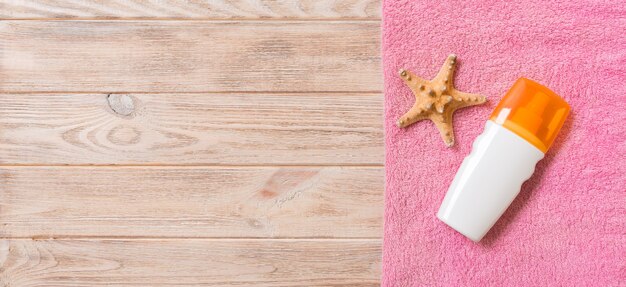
[[147, 143]]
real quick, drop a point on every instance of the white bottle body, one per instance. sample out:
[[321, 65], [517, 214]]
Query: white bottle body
[[488, 180]]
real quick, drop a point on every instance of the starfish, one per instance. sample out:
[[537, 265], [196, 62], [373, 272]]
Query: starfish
[[437, 99]]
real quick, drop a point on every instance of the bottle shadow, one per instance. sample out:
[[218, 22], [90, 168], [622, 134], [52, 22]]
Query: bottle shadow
[[529, 187]]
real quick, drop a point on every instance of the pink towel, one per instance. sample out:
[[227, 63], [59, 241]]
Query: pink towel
[[567, 226]]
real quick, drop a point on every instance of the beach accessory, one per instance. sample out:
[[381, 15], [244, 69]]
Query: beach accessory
[[518, 134], [437, 99]]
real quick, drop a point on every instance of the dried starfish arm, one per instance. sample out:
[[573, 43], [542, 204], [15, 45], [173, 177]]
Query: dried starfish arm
[[468, 99], [446, 73], [415, 114], [443, 122], [414, 82]]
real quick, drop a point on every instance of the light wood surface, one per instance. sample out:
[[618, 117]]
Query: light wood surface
[[189, 262], [190, 56], [191, 129], [194, 9], [329, 202], [186, 143]]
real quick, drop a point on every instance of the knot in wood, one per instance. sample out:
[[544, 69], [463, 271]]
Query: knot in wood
[[122, 105]]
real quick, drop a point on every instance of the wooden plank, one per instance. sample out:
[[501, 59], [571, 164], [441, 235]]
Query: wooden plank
[[189, 56], [191, 129], [189, 262], [197, 9], [44, 202]]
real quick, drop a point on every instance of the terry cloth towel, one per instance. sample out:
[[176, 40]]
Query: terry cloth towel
[[567, 226]]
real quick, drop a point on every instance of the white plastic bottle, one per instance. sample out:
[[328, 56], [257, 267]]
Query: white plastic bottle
[[516, 137]]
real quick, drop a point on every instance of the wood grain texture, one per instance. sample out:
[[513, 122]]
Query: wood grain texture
[[213, 143], [329, 202], [189, 56], [191, 129], [189, 262], [194, 9]]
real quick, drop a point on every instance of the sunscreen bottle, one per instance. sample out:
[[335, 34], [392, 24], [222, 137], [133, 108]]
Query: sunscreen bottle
[[518, 134]]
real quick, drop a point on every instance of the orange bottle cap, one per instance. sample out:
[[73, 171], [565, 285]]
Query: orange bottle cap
[[533, 112]]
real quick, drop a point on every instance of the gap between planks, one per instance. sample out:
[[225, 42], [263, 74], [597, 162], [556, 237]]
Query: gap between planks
[[273, 93], [191, 238], [198, 166], [343, 20]]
